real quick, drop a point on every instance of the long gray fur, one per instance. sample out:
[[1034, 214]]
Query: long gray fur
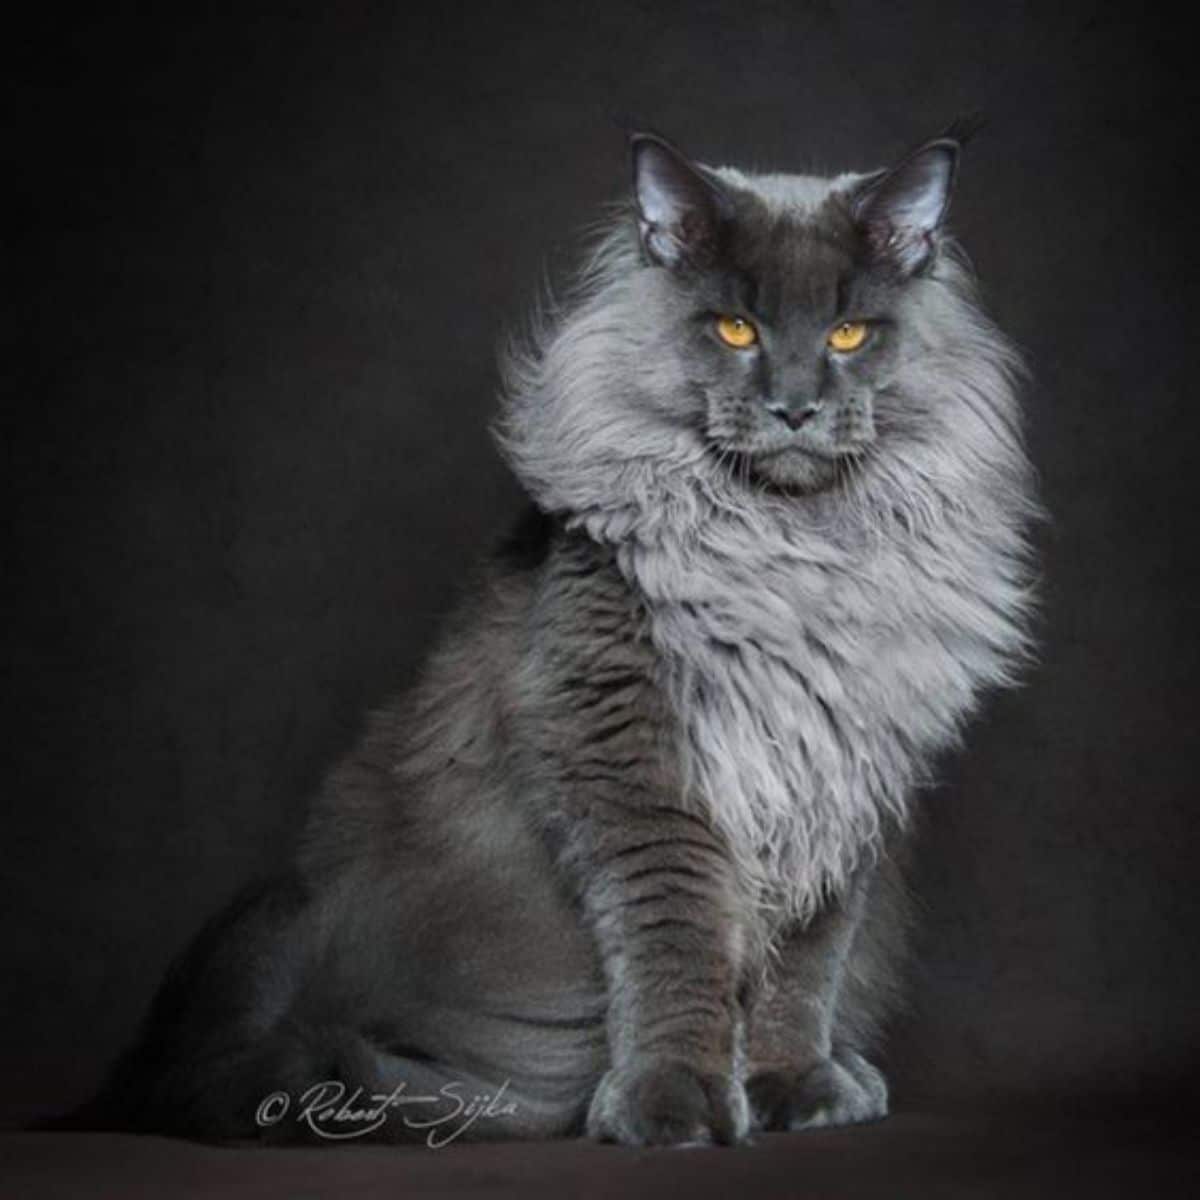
[[633, 847]]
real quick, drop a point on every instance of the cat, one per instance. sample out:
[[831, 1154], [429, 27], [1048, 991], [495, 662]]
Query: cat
[[629, 859]]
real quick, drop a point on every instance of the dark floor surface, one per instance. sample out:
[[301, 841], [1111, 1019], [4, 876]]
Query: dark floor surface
[[924, 1155]]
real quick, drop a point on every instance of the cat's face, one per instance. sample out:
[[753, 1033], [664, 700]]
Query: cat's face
[[786, 305]]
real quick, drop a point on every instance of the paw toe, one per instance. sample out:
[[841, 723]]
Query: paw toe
[[824, 1095]]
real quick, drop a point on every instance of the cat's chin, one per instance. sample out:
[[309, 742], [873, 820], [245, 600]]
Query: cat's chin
[[795, 470]]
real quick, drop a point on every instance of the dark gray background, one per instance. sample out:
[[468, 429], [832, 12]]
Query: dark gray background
[[270, 260]]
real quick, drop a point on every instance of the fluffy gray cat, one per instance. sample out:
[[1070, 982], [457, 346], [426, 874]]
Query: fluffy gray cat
[[627, 861]]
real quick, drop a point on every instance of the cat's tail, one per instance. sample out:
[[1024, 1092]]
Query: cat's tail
[[109, 1110], [205, 1023], [92, 1116]]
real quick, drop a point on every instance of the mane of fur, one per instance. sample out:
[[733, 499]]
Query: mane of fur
[[817, 650]]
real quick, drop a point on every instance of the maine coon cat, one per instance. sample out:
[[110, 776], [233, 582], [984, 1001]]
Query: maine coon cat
[[628, 860]]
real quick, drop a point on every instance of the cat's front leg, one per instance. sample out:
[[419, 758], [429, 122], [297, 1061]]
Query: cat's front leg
[[801, 1075], [668, 1101], [660, 897]]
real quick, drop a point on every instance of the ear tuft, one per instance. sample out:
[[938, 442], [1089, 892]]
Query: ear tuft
[[680, 211], [900, 211]]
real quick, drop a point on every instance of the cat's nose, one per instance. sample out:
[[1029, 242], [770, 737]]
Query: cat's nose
[[795, 415]]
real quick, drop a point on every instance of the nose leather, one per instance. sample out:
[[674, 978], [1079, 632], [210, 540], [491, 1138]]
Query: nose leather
[[793, 416]]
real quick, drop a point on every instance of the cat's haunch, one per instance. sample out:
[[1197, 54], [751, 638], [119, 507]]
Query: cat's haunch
[[628, 859]]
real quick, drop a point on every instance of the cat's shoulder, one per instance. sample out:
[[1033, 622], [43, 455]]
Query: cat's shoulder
[[543, 543]]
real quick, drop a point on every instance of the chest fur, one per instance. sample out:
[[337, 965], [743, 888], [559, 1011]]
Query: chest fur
[[810, 687]]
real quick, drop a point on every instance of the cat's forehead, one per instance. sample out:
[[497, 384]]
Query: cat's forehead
[[793, 239], [794, 196]]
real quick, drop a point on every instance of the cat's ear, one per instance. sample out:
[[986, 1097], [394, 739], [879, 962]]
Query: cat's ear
[[680, 211], [900, 211]]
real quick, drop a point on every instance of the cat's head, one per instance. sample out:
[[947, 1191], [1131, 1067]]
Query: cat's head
[[789, 300], [736, 336]]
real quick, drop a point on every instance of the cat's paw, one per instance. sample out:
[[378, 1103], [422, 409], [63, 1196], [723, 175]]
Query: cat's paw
[[844, 1090], [667, 1102]]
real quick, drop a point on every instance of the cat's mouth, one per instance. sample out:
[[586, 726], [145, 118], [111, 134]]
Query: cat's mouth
[[809, 457], [794, 467]]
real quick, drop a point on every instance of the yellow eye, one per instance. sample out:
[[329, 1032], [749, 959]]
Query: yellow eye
[[849, 335], [736, 332]]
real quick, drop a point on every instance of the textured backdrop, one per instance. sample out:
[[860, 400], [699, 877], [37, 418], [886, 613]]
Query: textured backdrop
[[269, 261]]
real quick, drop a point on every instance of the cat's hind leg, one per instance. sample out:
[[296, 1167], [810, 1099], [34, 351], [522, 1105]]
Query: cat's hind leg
[[354, 1089]]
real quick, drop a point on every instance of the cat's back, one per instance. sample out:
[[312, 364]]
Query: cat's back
[[440, 766]]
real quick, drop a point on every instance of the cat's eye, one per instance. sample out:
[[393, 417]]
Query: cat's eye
[[736, 332], [847, 336]]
